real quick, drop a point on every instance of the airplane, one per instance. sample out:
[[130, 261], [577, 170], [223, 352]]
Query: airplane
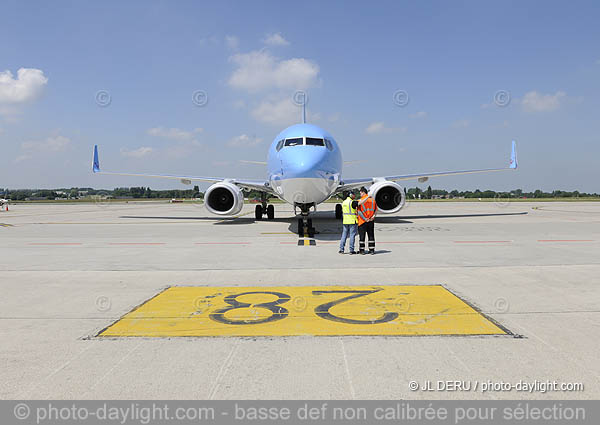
[[304, 169]]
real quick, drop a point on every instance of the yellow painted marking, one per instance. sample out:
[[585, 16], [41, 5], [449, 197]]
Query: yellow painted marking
[[306, 241], [303, 310], [5, 225]]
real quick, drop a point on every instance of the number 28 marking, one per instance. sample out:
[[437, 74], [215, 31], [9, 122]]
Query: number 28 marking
[[279, 312]]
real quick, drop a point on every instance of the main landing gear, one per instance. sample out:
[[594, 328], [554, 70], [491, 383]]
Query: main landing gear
[[260, 210], [263, 209], [338, 211]]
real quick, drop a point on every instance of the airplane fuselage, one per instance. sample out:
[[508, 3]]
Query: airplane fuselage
[[304, 165]]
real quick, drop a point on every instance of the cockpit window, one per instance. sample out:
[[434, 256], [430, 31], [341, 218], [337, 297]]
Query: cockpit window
[[312, 141], [279, 145], [294, 142], [329, 144]]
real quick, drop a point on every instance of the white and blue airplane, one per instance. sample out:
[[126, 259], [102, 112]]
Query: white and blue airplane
[[304, 168]]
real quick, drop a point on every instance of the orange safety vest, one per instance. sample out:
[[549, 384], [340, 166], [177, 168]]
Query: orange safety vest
[[366, 209]]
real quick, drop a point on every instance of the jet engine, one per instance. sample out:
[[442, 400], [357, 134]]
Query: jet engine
[[224, 198], [388, 196]]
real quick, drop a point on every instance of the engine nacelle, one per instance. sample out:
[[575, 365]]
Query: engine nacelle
[[224, 198], [388, 196]]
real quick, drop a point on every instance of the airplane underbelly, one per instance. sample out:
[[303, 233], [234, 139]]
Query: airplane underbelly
[[304, 190]]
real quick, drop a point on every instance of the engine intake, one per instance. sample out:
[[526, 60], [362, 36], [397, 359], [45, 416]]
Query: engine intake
[[224, 198], [388, 196]]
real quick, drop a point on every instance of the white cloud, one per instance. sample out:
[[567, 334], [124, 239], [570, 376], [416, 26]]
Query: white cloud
[[418, 115], [280, 112], [232, 41], [259, 70], [276, 40], [174, 133], [376, 127], [22, 158], [334, 117], [461, 124], [213, 40], [50, 144], [380, 128], [28, 85], [244, 140], [137, 153], [537, 102]]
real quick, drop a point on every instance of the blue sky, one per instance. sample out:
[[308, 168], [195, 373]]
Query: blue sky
[[150, 57]]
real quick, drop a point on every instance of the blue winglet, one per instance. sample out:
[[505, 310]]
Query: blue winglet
[[96, 163], [513, 156]]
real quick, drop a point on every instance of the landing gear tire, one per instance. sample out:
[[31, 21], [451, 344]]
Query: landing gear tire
[[300, 227], [270, 212], [258, 212], [338, 211]]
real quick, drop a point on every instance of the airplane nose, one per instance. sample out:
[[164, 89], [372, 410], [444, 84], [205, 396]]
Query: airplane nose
[[302, 161]]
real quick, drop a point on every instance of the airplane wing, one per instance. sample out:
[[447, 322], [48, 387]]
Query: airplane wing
[[261, 185], [348, 184]]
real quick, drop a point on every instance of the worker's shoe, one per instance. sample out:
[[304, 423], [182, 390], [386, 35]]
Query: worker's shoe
[[340, 252], [362, 252], [372, 252], [352, 252]]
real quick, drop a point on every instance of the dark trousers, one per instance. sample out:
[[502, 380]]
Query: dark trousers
[[367, 228]]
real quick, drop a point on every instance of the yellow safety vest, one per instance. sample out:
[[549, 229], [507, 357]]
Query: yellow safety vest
[[348, 213]]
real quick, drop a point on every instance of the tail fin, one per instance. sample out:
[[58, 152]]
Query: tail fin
[[513, 156], [96, 163]]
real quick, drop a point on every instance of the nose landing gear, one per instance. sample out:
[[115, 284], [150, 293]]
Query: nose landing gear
[[305, 226]]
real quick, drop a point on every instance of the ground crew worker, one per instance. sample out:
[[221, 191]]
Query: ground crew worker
[[366, 221], [349, 222]]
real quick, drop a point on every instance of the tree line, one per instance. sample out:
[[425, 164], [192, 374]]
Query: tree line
[[429, 193], [147, 193], [88, 192]]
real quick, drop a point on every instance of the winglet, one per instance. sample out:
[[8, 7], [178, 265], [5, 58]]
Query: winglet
[[96, 163], [513, 156]]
